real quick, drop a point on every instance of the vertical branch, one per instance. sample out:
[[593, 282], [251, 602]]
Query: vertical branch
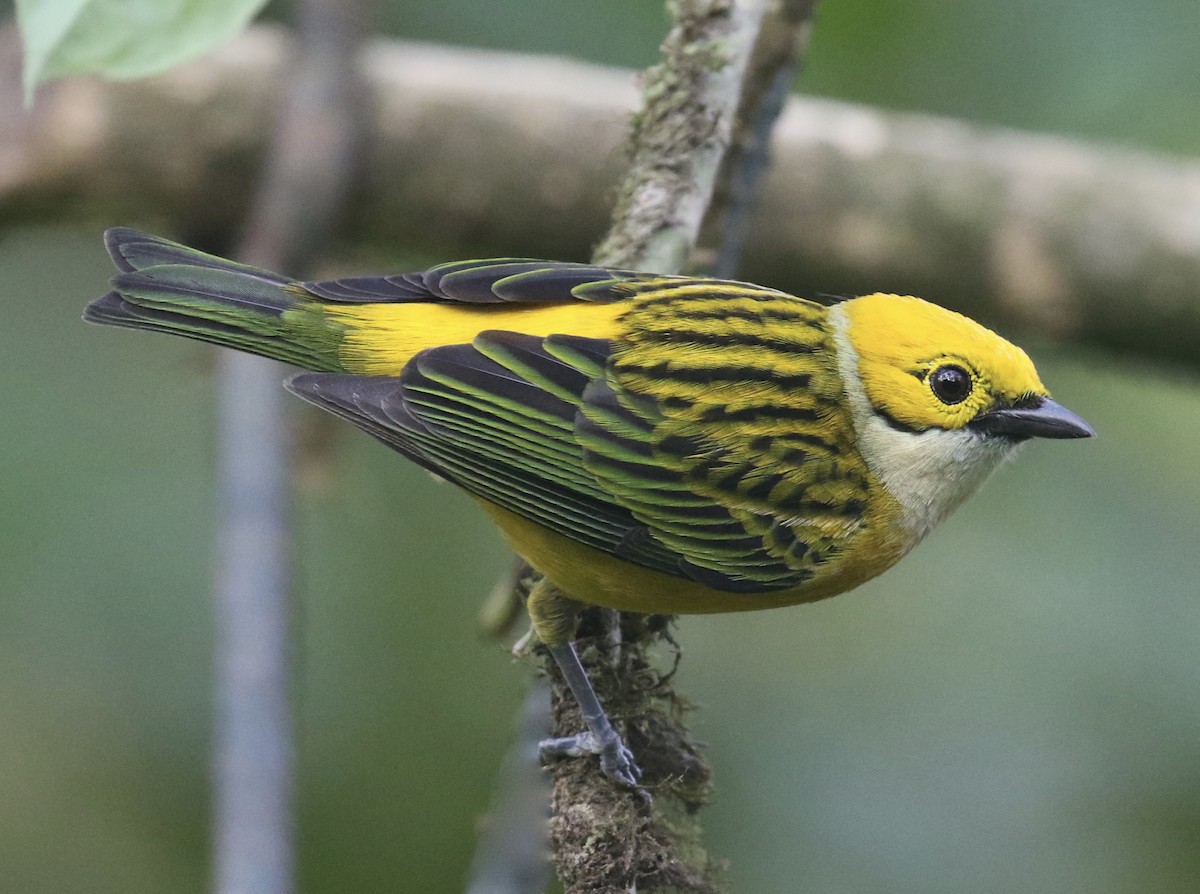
[[513, 848], [512, 856], [302, 188], [776, 59], [253, 745], [724, 66], [682, 133]]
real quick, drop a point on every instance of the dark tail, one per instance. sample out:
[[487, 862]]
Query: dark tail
[[167, 287]]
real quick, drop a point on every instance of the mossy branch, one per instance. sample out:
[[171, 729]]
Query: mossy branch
[[682, 134], [695, 102]]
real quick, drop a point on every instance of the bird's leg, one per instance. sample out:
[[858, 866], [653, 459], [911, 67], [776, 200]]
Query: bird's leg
[[600, 738], [553, 616]]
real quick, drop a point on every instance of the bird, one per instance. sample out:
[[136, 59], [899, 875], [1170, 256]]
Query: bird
[[647, 443]]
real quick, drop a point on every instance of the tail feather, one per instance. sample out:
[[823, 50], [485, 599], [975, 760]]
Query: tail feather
[[134, 250], [113, 310], [206, 290], [167, 287]]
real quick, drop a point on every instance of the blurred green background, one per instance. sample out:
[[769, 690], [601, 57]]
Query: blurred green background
[[1016, 707]]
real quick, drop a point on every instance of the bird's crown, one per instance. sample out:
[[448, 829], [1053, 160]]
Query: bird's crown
[[923, 366]]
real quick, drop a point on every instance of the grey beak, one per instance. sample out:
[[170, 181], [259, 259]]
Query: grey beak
[[1047, 419]]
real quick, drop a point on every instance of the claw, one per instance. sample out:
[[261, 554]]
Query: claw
[[615, 759], [618, 765]]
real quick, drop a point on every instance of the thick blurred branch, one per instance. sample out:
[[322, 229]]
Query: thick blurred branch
[[479, 152]]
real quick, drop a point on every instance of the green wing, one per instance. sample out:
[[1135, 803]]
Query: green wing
[[504, 433], [532, 425]]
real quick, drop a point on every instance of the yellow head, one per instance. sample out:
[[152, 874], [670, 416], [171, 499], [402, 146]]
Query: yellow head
[[927, 367], [938, 400]]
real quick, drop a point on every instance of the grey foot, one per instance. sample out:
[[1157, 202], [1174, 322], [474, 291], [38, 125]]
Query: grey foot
[[615, 759]]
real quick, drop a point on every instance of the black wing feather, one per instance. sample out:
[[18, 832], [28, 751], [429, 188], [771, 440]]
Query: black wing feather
[[495, 281], [467, 418]]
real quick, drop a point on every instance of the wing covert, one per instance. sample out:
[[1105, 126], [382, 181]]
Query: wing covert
[[495, 281]]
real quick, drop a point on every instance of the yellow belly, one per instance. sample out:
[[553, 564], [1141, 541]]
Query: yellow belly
[[594, 577]]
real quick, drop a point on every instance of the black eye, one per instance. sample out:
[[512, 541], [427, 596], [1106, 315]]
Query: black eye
[[950, 383]]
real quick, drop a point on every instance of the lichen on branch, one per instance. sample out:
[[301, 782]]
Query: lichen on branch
[[681, 134]]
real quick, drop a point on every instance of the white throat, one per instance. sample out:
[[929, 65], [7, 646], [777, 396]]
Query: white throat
[[929, 473]]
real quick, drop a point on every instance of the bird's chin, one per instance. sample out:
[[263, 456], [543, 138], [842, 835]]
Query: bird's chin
[[1012, 440], [931, 473]]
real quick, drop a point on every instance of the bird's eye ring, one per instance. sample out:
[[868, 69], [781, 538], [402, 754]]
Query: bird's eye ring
[[951, 384]]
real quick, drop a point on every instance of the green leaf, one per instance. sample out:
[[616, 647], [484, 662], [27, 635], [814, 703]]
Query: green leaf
[[122, 38]]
